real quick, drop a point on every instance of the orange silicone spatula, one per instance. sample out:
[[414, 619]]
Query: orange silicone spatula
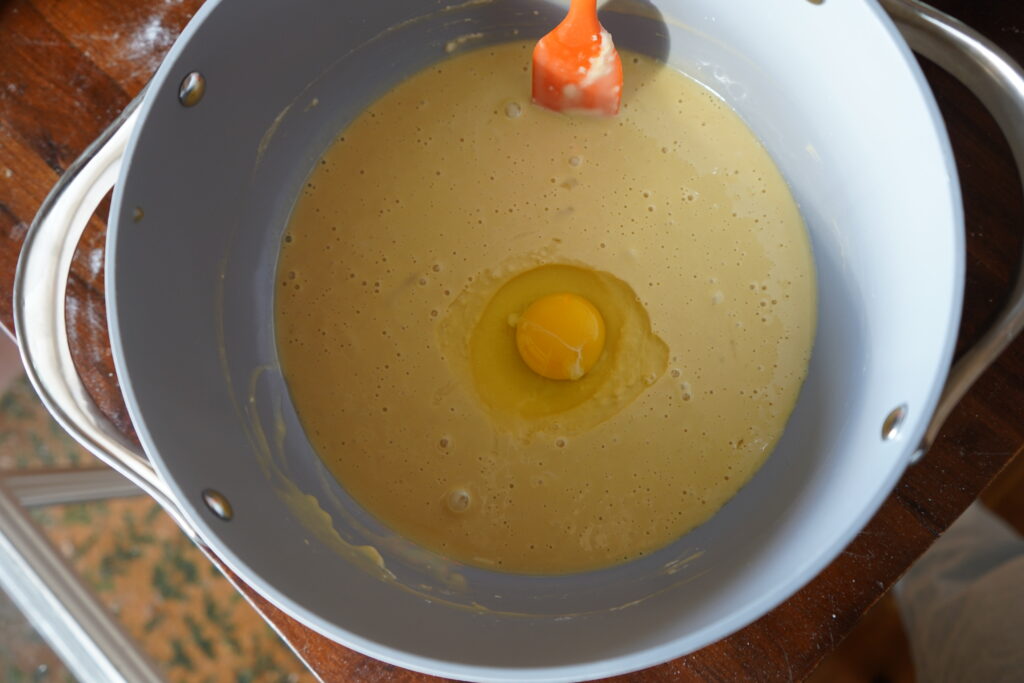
[[576, 67]]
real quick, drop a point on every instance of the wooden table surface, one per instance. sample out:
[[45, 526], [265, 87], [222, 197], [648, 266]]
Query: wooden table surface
[[67, 67]]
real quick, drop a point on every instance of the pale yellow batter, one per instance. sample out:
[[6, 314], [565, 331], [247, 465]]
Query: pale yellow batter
[[453, 185]]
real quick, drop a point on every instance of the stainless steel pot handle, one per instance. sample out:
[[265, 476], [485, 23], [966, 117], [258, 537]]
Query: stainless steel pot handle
[[998, 81], [39, 297]]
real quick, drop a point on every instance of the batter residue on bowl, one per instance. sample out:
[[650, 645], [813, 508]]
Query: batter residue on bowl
[[447, 208]]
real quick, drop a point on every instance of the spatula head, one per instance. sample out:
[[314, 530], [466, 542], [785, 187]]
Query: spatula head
[[576, 69]]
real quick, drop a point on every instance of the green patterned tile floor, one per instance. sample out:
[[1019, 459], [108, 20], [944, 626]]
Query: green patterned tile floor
[[186, 616]]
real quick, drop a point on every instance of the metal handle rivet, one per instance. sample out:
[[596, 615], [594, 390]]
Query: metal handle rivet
[[138, 214], [218, 504], [192, 89], [893, 422]]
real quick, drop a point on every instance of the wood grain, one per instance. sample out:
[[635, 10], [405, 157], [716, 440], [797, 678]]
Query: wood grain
[[68, 67]]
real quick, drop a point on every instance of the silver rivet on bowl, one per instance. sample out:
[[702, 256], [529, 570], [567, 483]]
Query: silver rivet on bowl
[[893, 421], [192, 89], [218, 504]]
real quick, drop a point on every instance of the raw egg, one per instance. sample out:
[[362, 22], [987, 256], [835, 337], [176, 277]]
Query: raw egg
[[560, 336], [517, 328]]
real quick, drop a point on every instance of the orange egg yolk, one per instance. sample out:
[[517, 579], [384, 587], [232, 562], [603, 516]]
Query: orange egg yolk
[[560, 336]]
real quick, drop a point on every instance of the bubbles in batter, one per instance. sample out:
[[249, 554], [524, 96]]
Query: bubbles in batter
[[458, 500], [433, 219]]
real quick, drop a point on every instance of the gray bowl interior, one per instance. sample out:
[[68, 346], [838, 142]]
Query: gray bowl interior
[[191, 298]]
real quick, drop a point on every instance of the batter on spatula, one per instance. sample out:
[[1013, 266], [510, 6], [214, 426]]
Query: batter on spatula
[[576, 68]]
